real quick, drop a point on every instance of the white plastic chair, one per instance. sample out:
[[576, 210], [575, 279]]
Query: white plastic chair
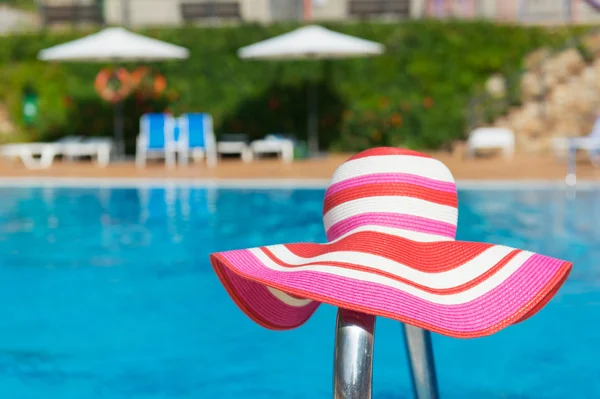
[[274, 144], [491, 138], [589, 143], [235, 144]]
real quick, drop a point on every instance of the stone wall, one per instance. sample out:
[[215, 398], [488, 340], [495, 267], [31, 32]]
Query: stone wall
[[560, 96]]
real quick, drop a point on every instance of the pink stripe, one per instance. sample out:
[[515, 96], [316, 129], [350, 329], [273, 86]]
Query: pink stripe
[[407, 222], [391, 178], [479, 314], [265, 305]]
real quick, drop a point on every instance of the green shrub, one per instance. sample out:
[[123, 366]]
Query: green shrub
[[415, 95]]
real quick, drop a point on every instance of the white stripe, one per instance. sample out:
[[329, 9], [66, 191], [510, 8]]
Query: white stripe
[[288, 299], [411, 235], [393, 204], [462, 274], [443, 299], [425, 167]]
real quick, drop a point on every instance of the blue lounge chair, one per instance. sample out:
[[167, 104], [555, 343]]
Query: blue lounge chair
[[196, 138], [156, 139]]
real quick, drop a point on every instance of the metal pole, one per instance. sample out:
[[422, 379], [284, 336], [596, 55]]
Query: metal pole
[[119, 134], [353, 358], [313, 134], [571, 178], [422, 365]]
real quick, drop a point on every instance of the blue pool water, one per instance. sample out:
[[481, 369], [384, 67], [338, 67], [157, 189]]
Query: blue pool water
[[108, 293]]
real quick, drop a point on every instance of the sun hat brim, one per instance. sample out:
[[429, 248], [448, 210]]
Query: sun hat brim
[[455, 288]]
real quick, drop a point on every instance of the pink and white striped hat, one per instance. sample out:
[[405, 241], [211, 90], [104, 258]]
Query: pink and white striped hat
[[390, 215]]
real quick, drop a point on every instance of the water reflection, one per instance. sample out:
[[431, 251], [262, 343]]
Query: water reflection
[[104, 221]]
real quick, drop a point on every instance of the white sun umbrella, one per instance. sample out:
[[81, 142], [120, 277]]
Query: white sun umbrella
[[116, 45], [311, 43]]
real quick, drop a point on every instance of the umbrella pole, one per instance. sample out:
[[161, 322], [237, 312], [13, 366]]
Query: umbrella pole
[[119, 136], [353, 357], [313, 134], [422, 365]]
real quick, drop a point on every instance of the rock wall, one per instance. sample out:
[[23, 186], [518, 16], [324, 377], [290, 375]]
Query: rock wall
[[560, 96]]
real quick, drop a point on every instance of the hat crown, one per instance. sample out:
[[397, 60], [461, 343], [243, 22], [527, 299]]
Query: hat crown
[[392, 190]]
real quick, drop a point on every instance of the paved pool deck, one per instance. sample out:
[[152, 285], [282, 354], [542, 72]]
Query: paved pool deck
[[521, 167]]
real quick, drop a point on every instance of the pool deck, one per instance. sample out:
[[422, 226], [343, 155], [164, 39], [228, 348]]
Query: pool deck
[[521, 167]]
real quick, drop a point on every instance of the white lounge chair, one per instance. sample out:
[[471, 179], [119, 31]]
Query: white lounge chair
[[485, 138], [235, 144], [100, 148], [589, 143], [196, 138], [41, 155], [156, 139], [274, 144]]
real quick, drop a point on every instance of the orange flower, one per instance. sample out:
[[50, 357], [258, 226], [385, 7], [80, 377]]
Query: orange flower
[[428, 102], [396, 120], [405, 106], [376, 136], [160, 84]]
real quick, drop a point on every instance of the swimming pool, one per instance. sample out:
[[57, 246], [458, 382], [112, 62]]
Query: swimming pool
[[108, 293]]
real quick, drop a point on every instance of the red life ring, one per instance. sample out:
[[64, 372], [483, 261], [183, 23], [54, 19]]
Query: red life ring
[[107, 93]]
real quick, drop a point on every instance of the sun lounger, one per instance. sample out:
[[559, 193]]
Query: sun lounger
[[589, 143], [277, 144], [33, 155], [95, 147], [41, 155], [195, 137], [156, 139], [235, 144], [491, 138]]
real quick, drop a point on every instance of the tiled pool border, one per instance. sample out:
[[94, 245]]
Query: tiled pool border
[[267, 183]]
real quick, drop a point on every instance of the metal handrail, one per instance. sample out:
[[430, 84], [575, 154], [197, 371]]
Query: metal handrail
[[353, 358]]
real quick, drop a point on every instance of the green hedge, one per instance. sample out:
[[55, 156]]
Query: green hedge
[[415, 95]]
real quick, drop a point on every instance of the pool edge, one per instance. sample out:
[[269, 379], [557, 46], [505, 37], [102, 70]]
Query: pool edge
[[264, 183]]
